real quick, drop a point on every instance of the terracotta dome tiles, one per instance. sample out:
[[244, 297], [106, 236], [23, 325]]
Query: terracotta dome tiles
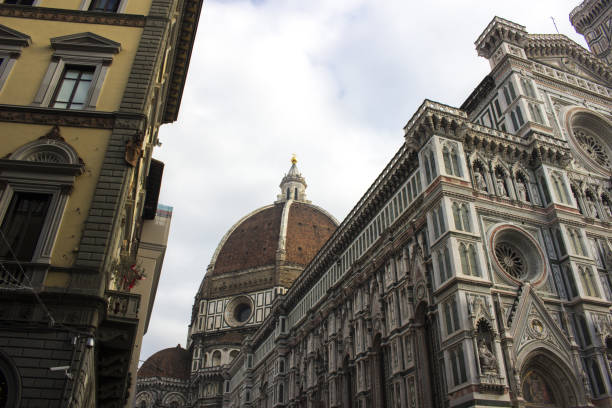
[[254, 242], [308, 228]]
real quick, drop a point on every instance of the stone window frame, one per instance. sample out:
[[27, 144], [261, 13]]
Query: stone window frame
[[86, 3], [444, 263], [12, 43], [588, 281], [462, 215], [450, 156], [469, 255], [452, 317], [458, 369], [21, 175], [71, 50]]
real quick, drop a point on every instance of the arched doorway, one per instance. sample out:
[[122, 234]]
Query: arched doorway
[[546, 382], [425, 344]]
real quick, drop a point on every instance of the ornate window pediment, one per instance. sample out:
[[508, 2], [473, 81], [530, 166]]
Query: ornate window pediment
[[88, 42], [10, 37]]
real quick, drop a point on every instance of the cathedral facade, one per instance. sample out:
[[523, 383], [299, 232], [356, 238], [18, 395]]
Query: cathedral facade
[[475, 271]]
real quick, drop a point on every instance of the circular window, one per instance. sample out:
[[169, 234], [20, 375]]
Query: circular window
[[589, 136], [517, 255], [511, 260], [242, 312], [239, 310], [592, 147]]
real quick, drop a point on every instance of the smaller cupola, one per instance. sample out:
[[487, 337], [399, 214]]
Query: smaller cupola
[[293, 185]]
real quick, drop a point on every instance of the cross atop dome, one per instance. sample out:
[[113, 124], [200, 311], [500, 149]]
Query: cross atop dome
[[293, 185]]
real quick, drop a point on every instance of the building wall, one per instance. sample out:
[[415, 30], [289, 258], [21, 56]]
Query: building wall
[[469, 274], [65, 304]]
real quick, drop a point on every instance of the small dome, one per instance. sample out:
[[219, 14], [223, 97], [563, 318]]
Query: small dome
[[173, 362]]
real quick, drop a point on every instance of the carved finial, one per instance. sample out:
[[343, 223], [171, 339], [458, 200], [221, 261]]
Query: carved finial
[[54, 134], [293, 158]]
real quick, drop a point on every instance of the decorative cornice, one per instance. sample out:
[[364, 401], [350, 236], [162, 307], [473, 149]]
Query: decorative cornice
[[72, 16], [498, 30], [552, 75], [586, 13], [70, 118], [558, 45], [433, 117], [190, 16]]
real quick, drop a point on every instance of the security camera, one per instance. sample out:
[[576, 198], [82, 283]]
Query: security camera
[[64, 369]]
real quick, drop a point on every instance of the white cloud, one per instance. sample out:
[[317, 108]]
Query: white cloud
[[332, 81]]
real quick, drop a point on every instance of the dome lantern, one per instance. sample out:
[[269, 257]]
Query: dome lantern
[[293, 185]]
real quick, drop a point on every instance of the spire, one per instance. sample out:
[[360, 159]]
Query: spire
[[293, 185]]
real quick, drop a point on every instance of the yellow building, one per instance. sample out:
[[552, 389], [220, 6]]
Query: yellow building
[[84, 87]]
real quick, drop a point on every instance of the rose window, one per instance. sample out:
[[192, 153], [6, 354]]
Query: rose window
[[592, 147], [511, 260]]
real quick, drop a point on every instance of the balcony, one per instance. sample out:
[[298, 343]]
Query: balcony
[[22, 275], [122, 306]]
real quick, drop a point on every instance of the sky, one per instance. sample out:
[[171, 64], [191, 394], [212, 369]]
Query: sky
[[333, 81]]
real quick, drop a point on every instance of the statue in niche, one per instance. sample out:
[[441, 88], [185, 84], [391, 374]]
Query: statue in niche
[[501, 187], [488, 361], [481, 184], [521, 188], [535, 196], [592, 208]]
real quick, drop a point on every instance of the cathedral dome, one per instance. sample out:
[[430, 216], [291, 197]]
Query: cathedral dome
[[291, 229], [294, 229], [173, 362]]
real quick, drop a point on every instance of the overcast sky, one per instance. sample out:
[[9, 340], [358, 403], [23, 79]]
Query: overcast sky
[[333, 81]]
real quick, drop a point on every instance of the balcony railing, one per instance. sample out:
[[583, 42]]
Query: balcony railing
[[22, 275], [122, 305]]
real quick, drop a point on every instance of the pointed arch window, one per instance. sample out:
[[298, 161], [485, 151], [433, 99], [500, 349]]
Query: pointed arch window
[[544, 188], [447, 160], [595, 377], [507, 96], [515, 124], [441, 220], [451, 315], [441, 266], [457, 216], [427, 170], [465, 217], [588, 282], [457, 363], [559, 188], [455, 162], [469, 263], [447, 263]]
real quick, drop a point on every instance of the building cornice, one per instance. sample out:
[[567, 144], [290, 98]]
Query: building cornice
[[190, 16], [71, 118], [72, 16], [556, 45]]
